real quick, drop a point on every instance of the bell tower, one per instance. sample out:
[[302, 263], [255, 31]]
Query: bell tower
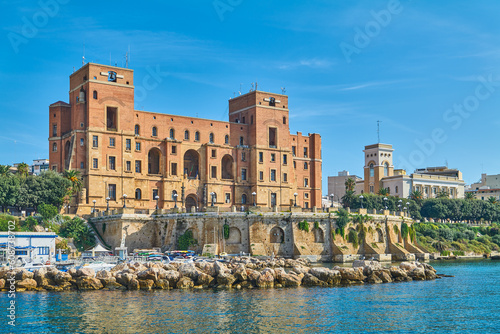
[[378, 164]]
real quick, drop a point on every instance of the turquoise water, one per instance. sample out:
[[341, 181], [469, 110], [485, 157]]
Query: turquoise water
[[467, 303]]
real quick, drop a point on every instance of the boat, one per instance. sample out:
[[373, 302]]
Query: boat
[[97, 266], [32, 266]]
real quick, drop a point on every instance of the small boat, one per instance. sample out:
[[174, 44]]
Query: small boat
[[31, 266], [97, 266]]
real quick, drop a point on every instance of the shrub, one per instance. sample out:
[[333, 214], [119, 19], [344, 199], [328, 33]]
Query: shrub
[[4, 223], [404, 231], [304, 226], [352, 237], [47, 211], [186, 240]]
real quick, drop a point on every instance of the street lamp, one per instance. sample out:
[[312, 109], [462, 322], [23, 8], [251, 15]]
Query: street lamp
[[212, 194], [331, 197], [361, 198], [157, 198], [253, 195], [94, 201], [124, 199], [295, 203], [385, 202], [175, 200], [107, 204]]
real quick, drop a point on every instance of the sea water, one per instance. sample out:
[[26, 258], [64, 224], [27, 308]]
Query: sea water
[[466, 303]]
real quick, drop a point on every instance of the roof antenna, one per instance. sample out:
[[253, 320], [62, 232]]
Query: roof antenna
[[283, 90], [126, 57], [256, 84], [240, 89], [378, 131]]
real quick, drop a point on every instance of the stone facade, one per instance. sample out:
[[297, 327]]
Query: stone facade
[[132, 156], [262, 234]]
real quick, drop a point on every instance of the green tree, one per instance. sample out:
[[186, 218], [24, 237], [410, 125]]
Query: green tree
[[417, 196], [9, 191], [350, 184], [76, 182], [4, 223], [443, 194], [383, 192], [23, 169], [469, 195], [342, 221], [492, 200], [47, 211], [81, 233], [4, 170]]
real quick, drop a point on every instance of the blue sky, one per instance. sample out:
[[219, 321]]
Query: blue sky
[[417, 66]]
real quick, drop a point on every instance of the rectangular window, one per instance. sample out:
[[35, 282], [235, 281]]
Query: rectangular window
[[371, 189], [273, 174], [243, 156], [112, 191], [294, 150], [294, 164], [137, 146], [173, 169], [305, 165], [54, 130], [138, 166], [43, 250], [228, 197], [214, 172], [306, 204], [155, 193], [112, 141], [285, 159], [112, 163], [285, 177], [306, 182], [128, 144], [21, 252], [261, 157], [214, 153], [95, 141], [128, 165], [261, 175], [272, 137], [306, 195], [95, 163], [111, 118], [174, 149], [82, 165], [305, 152], [243, 174], [273, 157]]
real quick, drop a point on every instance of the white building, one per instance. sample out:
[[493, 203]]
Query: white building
[[39, 166], [488, 186], [37, 246]]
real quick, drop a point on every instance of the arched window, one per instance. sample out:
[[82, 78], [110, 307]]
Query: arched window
[[386, 169], [186, 135], [277, 235], [154, 161], [211, 138], [227, 167], [138, 193], [54, 147], [172, 134], [95, 95], [241, 141], [154, 131], [372, 171], [197, 136], [244, 199], [136, 130], [191, 162], [226, 140]]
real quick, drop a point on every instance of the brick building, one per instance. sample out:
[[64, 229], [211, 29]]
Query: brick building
[[130, 157]]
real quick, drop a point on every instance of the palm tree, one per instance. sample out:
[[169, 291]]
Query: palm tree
[[4, 170], [443, 194], [492, 200], [417, 196], [470, 195], [383, 192], [22, 169], [76, 181], [350, 185]]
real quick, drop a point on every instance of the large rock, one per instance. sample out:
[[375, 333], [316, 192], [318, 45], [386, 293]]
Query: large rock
[[88, 283], [407, 266], [26, 284], [300, 269], [265, 280], [417, 274], [161, 284], [110, 283], [373, 278], [185, 283], [119, 267], [384, 275], [72, 272], [189, 270], [103, 274], [2, 283], [85, 272], [204, 279], [23, 274], [225, 279], [133, 284], [311, 280], [125, 279], [146, 284], [253, 275], [397, 272], [172, 277], [207, 267], [430, 274], [62, 277], [352, 275], [240, 273], [291, 279], [220, 268], [331, 277], [148, 274]]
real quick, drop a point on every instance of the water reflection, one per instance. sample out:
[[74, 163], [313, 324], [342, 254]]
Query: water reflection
[[455, 304]]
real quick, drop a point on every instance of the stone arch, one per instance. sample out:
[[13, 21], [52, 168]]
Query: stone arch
[[234, 236], [319, 235], [227, 167], [191, 162], [191, 201], [277, 235], [154, 161], [379, 235]]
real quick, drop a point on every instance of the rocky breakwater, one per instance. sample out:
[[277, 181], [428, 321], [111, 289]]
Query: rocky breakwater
[[242, 272]]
